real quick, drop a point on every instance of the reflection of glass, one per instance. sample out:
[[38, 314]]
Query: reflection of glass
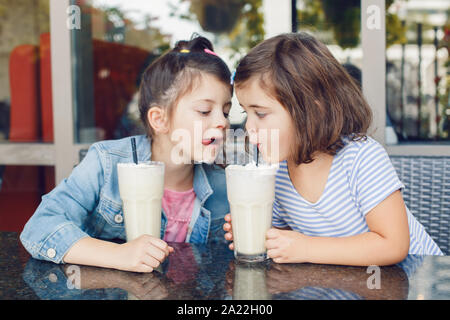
[[25, 83], [250, 282], [21, 189], [132, 296], [417, 60]]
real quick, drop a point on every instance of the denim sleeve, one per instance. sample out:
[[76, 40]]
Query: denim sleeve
[[60, 218]]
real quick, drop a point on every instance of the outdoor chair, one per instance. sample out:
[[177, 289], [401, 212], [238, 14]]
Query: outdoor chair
[[427, 193]]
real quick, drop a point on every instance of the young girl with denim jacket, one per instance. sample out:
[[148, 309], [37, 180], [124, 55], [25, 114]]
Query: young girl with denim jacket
[[185, 97], [337, 197]]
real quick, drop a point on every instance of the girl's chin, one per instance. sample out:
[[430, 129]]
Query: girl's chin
[[269, 160]]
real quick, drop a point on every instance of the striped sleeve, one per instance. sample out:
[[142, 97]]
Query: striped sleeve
[[277, 220], [373, 176]]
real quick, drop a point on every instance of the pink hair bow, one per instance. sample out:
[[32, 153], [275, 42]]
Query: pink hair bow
[[211, 52]]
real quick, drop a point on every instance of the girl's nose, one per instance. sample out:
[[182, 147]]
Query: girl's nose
[[252, 135], [221, 122]]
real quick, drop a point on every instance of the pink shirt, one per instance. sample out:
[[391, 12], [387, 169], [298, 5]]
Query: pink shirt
[[178, 207]]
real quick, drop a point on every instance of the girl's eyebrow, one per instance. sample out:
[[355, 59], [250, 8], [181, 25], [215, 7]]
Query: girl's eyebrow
[[254, 106], [212, 102], [204, 100]]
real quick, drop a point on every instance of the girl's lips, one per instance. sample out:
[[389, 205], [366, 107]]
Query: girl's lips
[[207, 142]]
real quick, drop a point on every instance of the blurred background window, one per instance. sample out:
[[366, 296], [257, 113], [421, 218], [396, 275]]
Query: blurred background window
[[118, 39], [417, 70], [417, 60], [25, 105], [25, 85]]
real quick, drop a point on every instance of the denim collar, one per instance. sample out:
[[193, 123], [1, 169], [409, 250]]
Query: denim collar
[[202, 188]]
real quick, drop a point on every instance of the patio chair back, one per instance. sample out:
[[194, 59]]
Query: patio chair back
[[427, 193]]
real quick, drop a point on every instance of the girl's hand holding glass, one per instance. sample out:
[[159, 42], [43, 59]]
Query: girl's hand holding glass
[[283, 246], [143, 254], [286, 246], [228, 230]]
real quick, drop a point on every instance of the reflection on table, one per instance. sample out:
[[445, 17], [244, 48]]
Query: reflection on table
[[210, 272]]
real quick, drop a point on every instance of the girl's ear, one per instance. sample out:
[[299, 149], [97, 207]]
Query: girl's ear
[[158, 120]]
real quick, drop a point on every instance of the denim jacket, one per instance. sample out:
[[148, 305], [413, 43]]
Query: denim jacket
[[88, 203]]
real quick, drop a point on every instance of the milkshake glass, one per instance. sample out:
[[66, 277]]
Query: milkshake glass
[[251, 192], [141, 188]]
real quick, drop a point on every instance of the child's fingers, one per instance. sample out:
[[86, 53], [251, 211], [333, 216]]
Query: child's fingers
[[227, 227], [144, 268], [272, 233], [271, 244], [169, 250], [156, 253], [273, 254], [161, 244], [227, 217], [231, 246], [229, 236], [151, 261]]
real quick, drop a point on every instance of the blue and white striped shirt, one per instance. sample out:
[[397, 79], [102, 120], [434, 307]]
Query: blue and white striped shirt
[[361, 177]]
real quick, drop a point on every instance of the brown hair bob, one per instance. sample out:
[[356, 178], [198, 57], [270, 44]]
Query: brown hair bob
[[324, 101]]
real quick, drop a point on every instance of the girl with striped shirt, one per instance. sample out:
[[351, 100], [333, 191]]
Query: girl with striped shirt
[[338, 198]]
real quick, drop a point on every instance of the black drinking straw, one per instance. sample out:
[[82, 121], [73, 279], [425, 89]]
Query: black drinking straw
[[133, 147], [257, 154]]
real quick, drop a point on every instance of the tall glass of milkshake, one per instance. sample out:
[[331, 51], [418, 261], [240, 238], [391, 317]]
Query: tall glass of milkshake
[[251, 192], [141, 188]]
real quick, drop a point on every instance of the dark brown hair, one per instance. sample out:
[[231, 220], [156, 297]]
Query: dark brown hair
[[324, 102], [172, 75]]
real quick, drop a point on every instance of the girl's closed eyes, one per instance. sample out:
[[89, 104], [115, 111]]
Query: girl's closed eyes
[[259, 114], [205, 111]]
